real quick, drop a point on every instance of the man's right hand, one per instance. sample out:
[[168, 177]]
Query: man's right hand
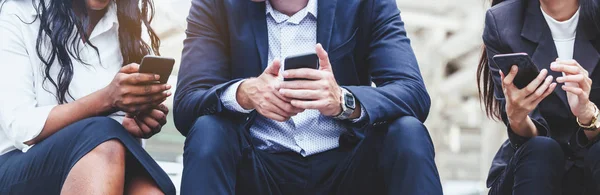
[[260, 94]]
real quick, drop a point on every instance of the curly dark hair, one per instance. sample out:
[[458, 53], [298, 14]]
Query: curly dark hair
[[63, 24]]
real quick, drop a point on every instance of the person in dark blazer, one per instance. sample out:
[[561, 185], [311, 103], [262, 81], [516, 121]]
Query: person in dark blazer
[[249, 132], [552, 123]]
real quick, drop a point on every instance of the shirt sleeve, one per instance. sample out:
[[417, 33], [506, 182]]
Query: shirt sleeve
[[118, 116], [362, 116], [229, 100], [21, 118]]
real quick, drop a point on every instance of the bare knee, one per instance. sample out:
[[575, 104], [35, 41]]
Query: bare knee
[[111, 150]]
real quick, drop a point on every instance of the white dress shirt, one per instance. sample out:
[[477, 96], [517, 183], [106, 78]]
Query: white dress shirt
[[563, 33], [308, 132], [27, 99]]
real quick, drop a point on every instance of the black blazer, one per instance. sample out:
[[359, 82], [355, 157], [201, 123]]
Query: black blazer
[[227, 40], [519, 26]]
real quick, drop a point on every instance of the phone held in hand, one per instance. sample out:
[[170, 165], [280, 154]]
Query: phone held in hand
[[527, 70], [158, 65], [310, 60]]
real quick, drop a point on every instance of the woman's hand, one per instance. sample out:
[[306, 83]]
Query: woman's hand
[[147, 124], [135, 92], [520, 102], [577, 84]]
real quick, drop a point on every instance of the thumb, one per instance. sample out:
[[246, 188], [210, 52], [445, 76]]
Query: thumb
[[324, 63], [273, 69], [130, 68]]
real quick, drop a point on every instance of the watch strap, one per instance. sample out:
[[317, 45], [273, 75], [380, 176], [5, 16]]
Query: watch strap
[[593, 125], [346, 111]]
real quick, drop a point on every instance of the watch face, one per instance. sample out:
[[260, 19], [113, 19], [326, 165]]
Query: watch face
[[350, 103]]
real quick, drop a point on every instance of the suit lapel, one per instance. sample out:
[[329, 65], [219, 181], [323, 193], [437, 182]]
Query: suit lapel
[[584, 52], [258, 20], [536, 30], [325, 21]]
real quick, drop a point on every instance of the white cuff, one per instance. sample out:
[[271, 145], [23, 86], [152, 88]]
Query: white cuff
[[362, 116], [229, 99]]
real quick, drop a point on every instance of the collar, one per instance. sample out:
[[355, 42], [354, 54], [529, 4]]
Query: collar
[[311, 8], [109, 22]]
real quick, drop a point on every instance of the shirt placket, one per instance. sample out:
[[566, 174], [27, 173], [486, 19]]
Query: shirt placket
[[287, 36]]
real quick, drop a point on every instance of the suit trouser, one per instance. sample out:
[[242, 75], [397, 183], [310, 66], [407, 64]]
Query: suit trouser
[[538, 167], [219, 159]]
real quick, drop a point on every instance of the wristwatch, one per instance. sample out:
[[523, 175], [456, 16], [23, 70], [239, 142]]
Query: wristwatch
[[595, 124], [348, 105]]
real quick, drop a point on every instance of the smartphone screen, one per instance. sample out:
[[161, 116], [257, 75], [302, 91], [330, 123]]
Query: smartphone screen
[[310, 60], [158, 65], [527, 70]]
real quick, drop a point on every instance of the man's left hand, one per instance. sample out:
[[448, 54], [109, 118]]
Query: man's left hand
[[318, 91]]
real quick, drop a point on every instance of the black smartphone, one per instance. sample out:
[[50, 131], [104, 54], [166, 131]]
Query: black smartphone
[[158, 65], [310, 60], [527, 70]]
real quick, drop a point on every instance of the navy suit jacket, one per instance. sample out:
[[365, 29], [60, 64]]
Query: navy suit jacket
[[227, 41], [519, 26]]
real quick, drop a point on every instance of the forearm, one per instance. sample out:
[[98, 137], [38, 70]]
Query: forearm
[[524, 128], [66, 114]]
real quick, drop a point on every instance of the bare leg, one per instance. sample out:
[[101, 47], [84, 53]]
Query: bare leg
[[142, 185], [101, 171], [137, 179]]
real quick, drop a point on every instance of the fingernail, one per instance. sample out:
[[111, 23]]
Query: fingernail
[[157, 77], [168, 86], [281, 91], [285, 74], [168, 93], [560, 79], [513, 68], [544, 71]]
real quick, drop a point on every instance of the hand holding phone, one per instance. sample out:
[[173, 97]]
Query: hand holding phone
[[310, 60], [527, 70], [522, 98], [158, 65]]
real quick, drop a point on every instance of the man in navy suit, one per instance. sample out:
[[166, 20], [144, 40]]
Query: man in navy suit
[[250, 132]]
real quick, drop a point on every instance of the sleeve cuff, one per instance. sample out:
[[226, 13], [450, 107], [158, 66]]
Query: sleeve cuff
[[229, 100], [32, 128], [118, 116], [580, 139], [517, 141], [363, 115]]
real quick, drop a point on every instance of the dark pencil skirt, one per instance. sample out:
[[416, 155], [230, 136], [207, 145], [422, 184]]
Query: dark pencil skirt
[[44, 168]]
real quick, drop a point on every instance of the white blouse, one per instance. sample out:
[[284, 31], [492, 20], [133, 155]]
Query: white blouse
[[26, 100]]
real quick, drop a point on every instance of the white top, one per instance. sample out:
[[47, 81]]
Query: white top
[[308, 132], [26, 99], [563, 33]]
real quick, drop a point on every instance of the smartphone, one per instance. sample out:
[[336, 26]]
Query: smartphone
[[527, 70], [310, 60], [158, 65]]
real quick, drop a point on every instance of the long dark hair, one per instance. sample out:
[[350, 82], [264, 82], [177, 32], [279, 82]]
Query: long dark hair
[[485, 85], [61, 27]]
